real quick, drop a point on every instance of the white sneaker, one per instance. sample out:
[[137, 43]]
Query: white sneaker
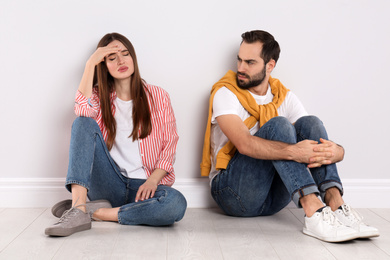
[[351, 218], [325, 226]]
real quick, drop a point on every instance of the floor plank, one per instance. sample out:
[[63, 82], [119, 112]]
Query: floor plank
[[33, 242], [384, 213], [97, 243], [13, 222], [202, 234], [140, 242], [284, 231], [238, 235], [379, 218], [194, 237]]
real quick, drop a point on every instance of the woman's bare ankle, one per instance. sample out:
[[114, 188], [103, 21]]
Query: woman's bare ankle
[[106, 214]]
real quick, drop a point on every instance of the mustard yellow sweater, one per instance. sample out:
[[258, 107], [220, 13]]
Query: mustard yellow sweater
[[261, 113]]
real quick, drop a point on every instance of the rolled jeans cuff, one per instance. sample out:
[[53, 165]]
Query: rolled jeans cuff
[[68, 184], [310, 189], [329, 184]]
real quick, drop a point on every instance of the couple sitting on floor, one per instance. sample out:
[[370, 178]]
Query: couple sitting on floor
[[261, 148]]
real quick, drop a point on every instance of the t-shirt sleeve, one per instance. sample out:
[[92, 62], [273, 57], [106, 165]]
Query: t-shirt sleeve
[[224, 103], [292, 108]]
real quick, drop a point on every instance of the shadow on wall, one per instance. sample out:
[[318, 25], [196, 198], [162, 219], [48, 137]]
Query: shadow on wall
[[201, 126], [230, 63]]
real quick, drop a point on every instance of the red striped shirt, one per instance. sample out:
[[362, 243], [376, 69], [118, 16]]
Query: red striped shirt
[[158, 150]]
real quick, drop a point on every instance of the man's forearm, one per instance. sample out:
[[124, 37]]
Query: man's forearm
[[264, 149]]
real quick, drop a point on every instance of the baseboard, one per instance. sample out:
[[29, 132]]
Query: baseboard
[[44, 192]]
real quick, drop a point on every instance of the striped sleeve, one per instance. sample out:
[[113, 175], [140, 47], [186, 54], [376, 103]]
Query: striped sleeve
[[158, 150], [87, 107], [169, 138]]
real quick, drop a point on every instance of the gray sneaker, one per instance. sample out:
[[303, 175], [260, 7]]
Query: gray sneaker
[[58, 209], [72, 221]]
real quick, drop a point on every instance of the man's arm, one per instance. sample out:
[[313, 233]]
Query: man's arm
[[303, 152]]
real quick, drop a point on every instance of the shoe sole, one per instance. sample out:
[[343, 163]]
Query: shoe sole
[[61, 232], [332, 239], [368, 234], [58, 209]]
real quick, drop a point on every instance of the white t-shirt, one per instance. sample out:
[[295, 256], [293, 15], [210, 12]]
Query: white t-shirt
[[226, 102], [124, 151]]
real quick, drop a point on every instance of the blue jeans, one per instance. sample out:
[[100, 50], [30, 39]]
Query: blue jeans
[[91, 166], [252, 187]]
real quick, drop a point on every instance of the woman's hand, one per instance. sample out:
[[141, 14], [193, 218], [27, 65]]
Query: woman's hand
[[147, 190], [98, 56], [102, 52]]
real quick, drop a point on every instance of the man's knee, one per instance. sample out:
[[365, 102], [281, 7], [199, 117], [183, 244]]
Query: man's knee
[[278, 129], [308, 121], [310, 127]]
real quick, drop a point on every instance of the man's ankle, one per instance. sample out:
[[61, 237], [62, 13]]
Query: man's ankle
[[333, 198], [310, 204]]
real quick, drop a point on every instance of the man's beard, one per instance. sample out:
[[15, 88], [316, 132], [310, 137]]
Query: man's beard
[[255, 81]]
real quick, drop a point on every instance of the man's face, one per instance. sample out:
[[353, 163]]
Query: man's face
[[251, 70]]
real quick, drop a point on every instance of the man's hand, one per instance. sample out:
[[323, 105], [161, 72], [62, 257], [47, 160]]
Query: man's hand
[[305, 150], [328, 153]]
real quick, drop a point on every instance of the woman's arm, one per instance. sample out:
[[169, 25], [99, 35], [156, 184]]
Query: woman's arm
[[170, 138], [87, 100], [98, 56], [166, 154]]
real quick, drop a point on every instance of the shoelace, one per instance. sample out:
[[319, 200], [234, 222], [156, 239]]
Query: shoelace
[[349, 212], [68, 214], [329, 216]]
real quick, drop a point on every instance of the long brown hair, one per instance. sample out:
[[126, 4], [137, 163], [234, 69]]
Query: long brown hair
[[104, 80]]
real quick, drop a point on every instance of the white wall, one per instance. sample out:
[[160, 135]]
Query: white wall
[[335, 57]]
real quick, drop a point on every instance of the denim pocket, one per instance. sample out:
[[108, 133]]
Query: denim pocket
[[229, 201]]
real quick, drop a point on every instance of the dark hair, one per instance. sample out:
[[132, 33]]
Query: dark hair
[[271, 49], [141, 111]]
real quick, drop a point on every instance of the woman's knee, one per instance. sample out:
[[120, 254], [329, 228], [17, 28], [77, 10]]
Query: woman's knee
[[178, 205], [172, 207], [84, 122], [84, 125]]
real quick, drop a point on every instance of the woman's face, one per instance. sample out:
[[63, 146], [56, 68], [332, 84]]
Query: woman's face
[[120, 64]]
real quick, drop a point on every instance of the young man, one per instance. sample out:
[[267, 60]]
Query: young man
[[262, 149]]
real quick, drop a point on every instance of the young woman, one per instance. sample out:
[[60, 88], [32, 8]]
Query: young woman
[[122, 147]]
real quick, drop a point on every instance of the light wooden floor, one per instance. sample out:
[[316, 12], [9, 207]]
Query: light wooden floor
[[202, 234]]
